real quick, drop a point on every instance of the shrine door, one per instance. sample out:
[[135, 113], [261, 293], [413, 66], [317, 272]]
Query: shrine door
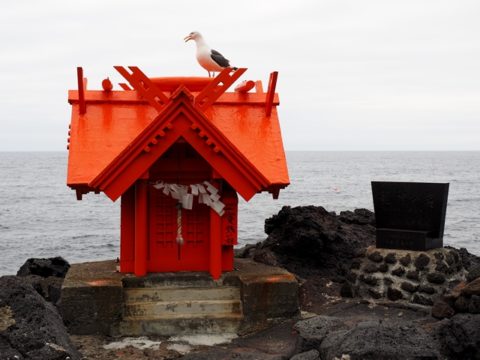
[[165, 253]]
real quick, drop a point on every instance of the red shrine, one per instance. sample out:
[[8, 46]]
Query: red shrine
[[176, 151]]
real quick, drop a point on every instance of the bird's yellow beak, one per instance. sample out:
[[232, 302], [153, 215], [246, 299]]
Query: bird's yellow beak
[[188, 37]]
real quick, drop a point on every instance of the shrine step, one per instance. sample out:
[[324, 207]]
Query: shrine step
[[174, 280], [218, 324], [154, 294], [172, 309], [187, 308]]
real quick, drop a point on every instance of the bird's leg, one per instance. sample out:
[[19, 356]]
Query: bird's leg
[[209, 74]]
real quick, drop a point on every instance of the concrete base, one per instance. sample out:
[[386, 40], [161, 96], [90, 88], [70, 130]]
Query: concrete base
[[96, 299]]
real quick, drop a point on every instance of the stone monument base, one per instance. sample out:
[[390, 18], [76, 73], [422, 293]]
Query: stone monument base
[[416, 277]]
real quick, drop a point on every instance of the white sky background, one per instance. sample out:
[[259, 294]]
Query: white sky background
[[353, 74]]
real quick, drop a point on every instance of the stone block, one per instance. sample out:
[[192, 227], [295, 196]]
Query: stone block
[[406, 260], [394, 294], [413, 275], [422, 300], [375, 257], [399, 271], [436, 278], [408, 286], [390, 258], [421, 262]]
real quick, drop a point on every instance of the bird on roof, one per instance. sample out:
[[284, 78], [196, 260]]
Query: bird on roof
[[211, 60]]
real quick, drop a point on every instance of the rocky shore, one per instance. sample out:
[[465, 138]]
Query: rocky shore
[[357, 302]]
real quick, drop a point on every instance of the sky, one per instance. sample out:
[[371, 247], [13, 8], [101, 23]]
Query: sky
[[354, 75]]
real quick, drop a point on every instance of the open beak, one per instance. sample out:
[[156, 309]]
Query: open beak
[[188, 37]]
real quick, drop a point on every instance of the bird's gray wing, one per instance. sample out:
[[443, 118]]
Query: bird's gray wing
[[219, 59]]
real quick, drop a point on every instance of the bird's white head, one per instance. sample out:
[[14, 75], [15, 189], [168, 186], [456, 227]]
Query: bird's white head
[[194, 35]]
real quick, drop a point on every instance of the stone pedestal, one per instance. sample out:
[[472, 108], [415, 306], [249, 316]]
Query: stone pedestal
[[96, 299]]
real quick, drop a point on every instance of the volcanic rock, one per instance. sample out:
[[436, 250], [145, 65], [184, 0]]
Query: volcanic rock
[[30, 327], [56, 266], [46, 276], [460, 335], [309, 237]]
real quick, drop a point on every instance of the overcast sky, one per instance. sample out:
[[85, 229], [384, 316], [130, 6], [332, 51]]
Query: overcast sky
[[353, 75]]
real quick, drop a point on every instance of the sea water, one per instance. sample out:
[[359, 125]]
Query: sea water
[[40, 216]]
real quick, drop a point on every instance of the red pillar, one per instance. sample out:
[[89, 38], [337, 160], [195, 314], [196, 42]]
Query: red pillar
[[215, 245], [141, 228], [127, 230]]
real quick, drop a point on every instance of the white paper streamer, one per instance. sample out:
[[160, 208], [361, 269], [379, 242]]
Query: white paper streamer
[[207, 194]]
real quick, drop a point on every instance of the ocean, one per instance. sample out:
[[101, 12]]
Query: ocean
[[40, 216]]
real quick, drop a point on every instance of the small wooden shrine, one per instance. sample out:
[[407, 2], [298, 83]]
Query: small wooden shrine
[[176, 151]]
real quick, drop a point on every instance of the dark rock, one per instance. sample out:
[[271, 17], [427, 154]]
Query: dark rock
[[474, 305], [472, 288], [46, 276], [442, 309], [406, 260], [307, 355], [387, 281], [469, 261], [383, 268], [369, 280], [390, 258], [374, 293], [351, 277], [347, 290], [375, 257], [408, 286], [56, 266], [421, 262], [456, 257], [247, 251], [358, 216], [413, 275], [49, 288], [426, 289], [370, 268], [394, 294], [399, 271], [355, 265], [31, 326], [309, 237], [449, 258], [265, 256], [442, 267], [422, 300], [436, 278], [237, 353], [461, 304], [375, 340], [438, 256], [314, 330], [460, 336]]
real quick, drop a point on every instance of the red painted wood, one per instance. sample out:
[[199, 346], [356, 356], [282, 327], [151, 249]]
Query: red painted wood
[[215, 245], [141, 233], [178, 130], [230, 218], [217, 87], [227, 258], [127, 231], [81, 91], [271, 93]]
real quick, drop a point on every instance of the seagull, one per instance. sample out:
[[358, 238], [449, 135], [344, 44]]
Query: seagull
[[211, 60]]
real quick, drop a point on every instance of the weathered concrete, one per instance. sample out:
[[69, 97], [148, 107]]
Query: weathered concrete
[[92, 298], [98, 300]]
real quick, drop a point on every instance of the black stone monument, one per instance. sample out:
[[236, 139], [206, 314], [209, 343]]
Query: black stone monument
[[409, 215]]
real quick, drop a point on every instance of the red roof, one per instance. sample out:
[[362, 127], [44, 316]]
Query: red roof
[[122, 133]]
